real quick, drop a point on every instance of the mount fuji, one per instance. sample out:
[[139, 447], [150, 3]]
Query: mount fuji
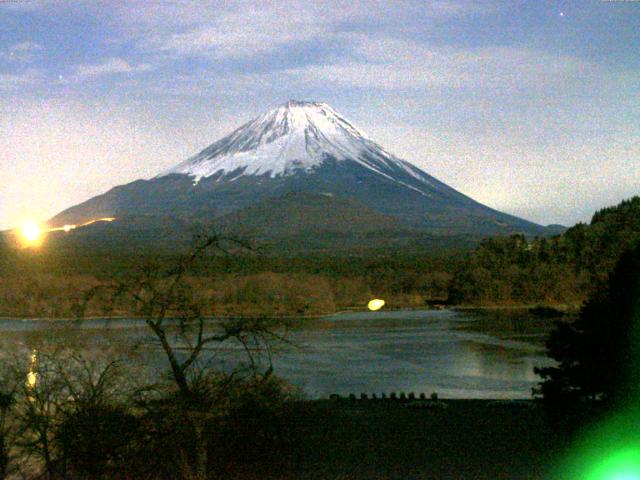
[[299, 169]]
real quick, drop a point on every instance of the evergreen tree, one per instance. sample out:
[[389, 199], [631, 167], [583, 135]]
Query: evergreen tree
[[598, 355]]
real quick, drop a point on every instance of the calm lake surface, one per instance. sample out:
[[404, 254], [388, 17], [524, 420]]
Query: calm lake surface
[[458, 354]]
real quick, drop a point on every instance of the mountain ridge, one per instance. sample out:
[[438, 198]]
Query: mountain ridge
[[300, 147]]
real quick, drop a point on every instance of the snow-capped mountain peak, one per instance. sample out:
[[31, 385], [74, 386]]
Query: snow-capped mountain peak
[[294, 136], [304, 161]]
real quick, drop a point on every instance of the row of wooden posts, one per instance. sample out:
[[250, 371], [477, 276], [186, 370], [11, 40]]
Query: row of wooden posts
[[392, 396]]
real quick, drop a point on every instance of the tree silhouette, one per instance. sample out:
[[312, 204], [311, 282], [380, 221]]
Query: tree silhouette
[[171, 309], [597, 355]]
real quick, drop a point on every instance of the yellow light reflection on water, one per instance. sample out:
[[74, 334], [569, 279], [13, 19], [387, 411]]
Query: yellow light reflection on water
[[375, 304], [31, 379], [32, 376]]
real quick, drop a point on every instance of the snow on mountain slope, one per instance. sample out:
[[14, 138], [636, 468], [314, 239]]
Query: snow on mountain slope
[[308, 149], [295, 136]]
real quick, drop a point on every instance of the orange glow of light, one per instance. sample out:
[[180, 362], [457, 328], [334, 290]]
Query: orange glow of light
[[105, 219], [31, 234], [65, 228], [68, 227]]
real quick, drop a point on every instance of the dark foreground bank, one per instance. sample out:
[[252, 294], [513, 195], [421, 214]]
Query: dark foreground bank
[[455, 439]]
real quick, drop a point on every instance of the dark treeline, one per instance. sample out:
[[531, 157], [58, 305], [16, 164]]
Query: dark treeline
[[42, 283], [561, 270], [513, 270], [102, 264], [596, 366]]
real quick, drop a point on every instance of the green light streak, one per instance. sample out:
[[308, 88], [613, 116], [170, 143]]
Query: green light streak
[[611, 451], [622, 465]]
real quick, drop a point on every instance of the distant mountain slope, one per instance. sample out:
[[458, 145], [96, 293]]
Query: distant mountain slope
[[301, 147], [300, 211]]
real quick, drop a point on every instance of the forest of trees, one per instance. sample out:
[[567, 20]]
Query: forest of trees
[[597, 371], [561, 270], [513, 270], [44, 284]]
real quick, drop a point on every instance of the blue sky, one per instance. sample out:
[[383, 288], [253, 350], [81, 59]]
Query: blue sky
[[531, 107]]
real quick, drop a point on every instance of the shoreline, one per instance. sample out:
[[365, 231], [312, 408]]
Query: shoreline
[[566, 309]]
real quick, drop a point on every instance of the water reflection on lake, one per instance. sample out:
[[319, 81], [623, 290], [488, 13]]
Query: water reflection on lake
[[416, 351], [457, 354]]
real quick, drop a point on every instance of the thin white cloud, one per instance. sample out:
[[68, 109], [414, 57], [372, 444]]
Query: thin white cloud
[[242, 28], [190, 13], [13, 81], [395, 64], [392, 63], [389, 64], [109, 67], [25, 47], [248, 31], [21, 52], [230, 40]]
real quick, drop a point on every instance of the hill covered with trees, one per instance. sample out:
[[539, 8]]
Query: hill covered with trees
[[563, 269]]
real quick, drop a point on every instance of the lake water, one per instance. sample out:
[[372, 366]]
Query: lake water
[[458, 354]]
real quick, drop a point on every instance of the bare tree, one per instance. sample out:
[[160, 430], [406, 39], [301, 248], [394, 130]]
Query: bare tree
[[170, 308], [8, 389], [39, 403], [40, 398]]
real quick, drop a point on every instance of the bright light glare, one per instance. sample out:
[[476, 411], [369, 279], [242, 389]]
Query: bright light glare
[[31, 232], [375, 304], [622, 465], [32, 377]]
